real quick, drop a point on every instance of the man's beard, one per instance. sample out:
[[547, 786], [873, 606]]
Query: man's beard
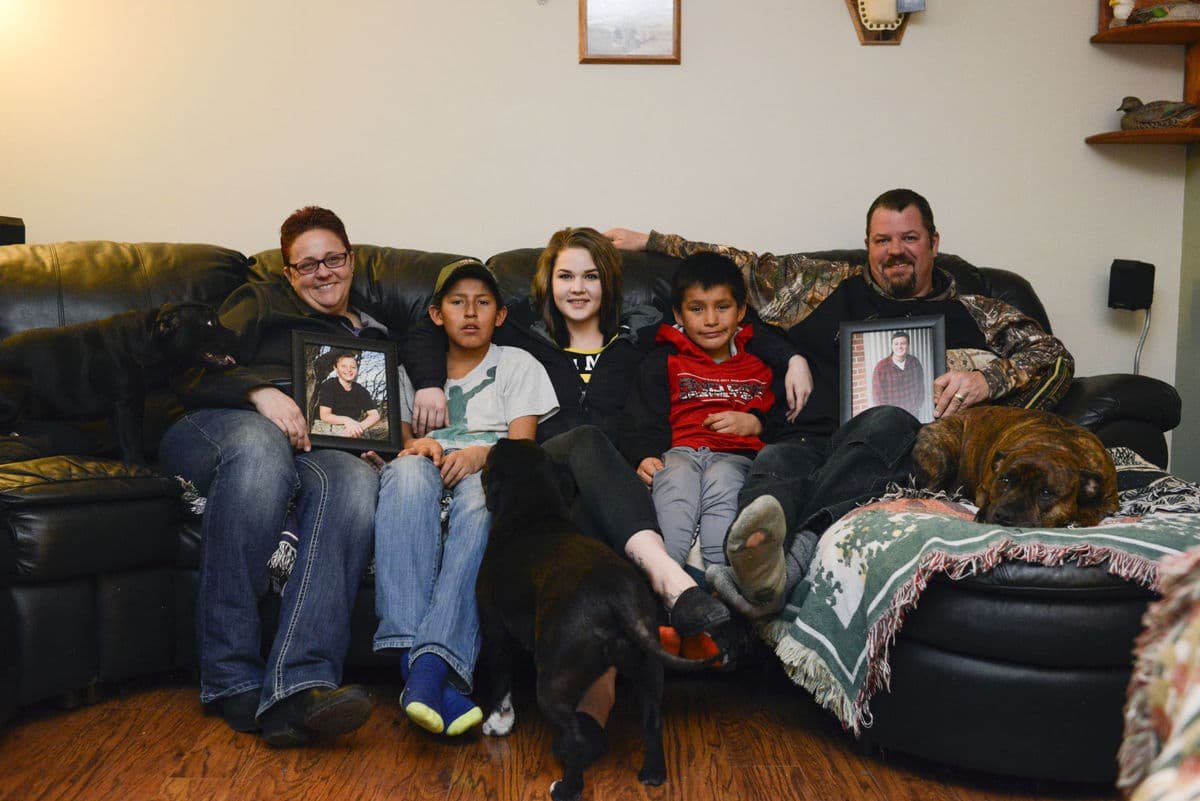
[[900, 287]]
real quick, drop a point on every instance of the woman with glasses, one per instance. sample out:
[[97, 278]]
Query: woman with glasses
[[243, 445]]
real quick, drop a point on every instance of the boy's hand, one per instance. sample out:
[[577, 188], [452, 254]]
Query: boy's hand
[[798, 384], [374, 459], [429, 448], [460, 464], [647, 468], [741, 424], [429, 410], [624, 239]]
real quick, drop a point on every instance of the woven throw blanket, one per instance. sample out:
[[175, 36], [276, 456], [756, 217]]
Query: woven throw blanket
[[872, 565], [1160, 751]]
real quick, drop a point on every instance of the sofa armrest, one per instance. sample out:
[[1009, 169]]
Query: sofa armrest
[[1100, 400]]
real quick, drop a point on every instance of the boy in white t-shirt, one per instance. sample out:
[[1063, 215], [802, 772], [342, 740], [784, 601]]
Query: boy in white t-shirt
[[424, 587]]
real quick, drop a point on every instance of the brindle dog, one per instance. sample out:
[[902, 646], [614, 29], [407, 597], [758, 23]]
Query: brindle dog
[[1022, 467]]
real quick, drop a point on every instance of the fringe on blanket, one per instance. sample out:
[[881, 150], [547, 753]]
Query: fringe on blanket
[[807, 669], [882, 634], [810, 671], [1181, 593]]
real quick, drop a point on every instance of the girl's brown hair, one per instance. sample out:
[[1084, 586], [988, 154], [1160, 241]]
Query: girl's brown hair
[[608, 264]]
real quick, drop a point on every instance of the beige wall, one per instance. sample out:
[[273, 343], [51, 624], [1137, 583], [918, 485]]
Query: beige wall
[[1185, 459], [469, 126]]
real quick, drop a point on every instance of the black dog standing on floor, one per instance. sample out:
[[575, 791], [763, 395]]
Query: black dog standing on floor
[[571, 601], [100, 369]]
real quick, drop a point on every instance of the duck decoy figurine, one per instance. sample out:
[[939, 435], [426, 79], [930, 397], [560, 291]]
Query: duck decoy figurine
[[1173, 11], [1157, 114], [1121, 11]]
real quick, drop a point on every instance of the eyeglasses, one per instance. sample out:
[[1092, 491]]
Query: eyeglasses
[[333, 261]]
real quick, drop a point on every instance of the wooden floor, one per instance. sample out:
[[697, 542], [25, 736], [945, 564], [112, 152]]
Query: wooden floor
[[748, 735]]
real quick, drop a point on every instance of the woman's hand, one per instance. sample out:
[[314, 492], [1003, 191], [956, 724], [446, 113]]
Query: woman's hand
[[798, 384], [429, 448], [283, 412], [958, 390], [647, 468], [458, 465], [740, 424], [624, 239], [429, 410]]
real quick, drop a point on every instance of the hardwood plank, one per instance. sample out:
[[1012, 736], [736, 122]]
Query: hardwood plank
[[751, 734]]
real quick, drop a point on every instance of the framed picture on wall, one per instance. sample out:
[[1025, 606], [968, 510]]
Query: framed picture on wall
[[349, 392], [891, 363], [629, 31]]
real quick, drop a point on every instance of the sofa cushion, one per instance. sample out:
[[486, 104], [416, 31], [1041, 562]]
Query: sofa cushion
[[65, 516]]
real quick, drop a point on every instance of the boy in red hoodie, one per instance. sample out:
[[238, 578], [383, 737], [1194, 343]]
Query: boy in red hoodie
[[697, 412]]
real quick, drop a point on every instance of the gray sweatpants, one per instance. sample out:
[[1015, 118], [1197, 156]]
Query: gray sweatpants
[[696, 494]]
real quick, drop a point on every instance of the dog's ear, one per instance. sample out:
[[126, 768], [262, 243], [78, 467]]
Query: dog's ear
[[1091, 488]]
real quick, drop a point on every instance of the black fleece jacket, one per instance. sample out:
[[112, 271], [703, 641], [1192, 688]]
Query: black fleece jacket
[[263, 314]]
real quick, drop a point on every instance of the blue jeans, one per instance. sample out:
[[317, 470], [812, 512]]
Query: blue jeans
[[424, 587], [696, 495], [242, 463]]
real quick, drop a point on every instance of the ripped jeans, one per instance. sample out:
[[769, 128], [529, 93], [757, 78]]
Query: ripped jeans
[[245, 467]]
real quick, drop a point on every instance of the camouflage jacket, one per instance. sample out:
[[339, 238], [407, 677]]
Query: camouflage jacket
[[1022, 364]]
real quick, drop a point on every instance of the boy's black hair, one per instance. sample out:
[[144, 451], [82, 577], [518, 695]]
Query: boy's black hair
[[708, 270]]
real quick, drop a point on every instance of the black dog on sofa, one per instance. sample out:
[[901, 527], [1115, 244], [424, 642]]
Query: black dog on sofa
[[100, 369], [572, 602]]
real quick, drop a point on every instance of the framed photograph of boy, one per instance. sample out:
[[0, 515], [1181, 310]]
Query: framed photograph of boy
[[891, 363], [629, 31], [348, 391]]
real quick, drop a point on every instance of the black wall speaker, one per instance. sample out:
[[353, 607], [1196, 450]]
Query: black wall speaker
[[12, 231], [1130, 284]]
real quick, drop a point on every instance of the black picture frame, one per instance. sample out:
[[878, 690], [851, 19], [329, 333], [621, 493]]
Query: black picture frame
[[313, 358], [864, 346]]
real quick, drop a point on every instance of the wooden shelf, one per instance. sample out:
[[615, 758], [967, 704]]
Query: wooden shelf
[[1185, 33], [1151, 33], [1151, 136]]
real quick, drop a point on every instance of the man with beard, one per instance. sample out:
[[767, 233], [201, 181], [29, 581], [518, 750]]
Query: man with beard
[[815, 471]]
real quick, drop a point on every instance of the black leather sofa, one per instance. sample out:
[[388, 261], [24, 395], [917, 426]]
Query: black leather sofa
[[98, 559]]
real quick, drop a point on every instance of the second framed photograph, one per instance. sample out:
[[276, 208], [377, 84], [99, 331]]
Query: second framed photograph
[[629, 31], [348, 391], [891, 363]]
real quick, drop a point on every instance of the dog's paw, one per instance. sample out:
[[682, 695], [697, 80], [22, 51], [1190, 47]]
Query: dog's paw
[[501, 721], [559, 792], [653, 776]]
